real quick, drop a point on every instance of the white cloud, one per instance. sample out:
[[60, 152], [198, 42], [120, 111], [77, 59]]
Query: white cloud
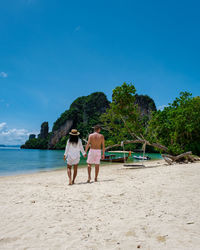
[[12, 136], [3, 75], [162, 107], [2, 126]]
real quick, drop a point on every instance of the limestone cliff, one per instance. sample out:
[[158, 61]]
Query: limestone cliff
[[146, 104], [62, 131], [44, 131], [83, 113]]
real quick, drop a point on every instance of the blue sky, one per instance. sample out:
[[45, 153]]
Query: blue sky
[[52, 52]]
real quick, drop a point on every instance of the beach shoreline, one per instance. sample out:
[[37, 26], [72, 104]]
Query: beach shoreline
[[64, 167], [152, 207]]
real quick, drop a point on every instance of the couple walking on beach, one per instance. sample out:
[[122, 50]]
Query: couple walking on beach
[[74, 146]]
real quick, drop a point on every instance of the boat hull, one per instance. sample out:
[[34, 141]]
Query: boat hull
[[141, 158], [121, 159]]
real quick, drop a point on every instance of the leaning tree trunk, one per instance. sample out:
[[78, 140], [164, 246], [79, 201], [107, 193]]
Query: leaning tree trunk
[[141, 141]]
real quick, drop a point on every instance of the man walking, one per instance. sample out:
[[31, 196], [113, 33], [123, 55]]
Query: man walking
[[96, 142]]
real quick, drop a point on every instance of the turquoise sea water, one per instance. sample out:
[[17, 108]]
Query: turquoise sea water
[[18, 161]]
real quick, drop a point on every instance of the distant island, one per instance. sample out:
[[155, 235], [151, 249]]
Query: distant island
[[83, 114], [132, 119], [9, 146]]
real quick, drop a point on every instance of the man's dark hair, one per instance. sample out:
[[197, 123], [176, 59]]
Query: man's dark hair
[[73, 139], [97, 127]]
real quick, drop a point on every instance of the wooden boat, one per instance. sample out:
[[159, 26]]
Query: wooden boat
[[141, 157], [115, 158]]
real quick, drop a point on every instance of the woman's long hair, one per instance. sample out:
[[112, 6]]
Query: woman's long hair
[[73, 138]]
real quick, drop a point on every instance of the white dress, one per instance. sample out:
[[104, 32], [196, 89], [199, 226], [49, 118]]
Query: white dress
[[72, 152]]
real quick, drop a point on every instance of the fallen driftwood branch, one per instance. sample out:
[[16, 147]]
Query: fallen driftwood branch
[[182, 158], [124, 142], [167, 159], [178, 157]]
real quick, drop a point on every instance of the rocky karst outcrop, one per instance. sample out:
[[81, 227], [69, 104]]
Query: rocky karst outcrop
[[32, 136], [59, 133], [44, 131], [146, 104], [41, 142], [83, 114]]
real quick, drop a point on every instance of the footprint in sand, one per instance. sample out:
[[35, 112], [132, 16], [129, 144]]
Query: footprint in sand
[[8, 240], [130, 233], [161, 238]]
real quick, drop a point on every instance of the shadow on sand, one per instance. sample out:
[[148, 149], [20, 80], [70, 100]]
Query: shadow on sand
[[135, 166], [82, 183]]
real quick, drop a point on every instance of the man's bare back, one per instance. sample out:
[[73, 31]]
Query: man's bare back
[[96, 140]]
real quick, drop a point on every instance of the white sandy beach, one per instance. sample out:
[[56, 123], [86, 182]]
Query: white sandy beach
[[156, 207]]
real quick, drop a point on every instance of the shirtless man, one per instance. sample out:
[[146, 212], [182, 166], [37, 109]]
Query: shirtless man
[[96, 143]]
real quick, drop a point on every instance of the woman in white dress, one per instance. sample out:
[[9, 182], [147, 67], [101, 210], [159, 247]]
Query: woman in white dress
[[72, 154]]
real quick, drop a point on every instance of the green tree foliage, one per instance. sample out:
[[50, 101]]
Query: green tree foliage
[[62, 143], [177, 126], [85, 112], [36, 143], [41, 142], [123, 115]]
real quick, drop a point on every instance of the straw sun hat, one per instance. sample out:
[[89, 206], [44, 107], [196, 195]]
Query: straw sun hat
[[74, 132]]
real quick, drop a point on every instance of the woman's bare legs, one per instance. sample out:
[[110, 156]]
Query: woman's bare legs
[[75, 173], [69, 174]]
